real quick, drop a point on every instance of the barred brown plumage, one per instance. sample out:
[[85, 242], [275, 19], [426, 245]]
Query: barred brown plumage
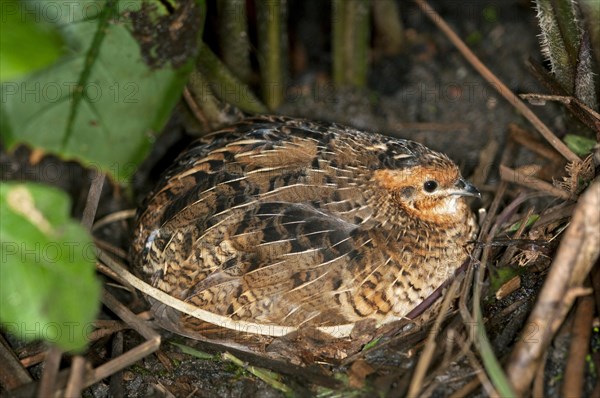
[[281, 221]]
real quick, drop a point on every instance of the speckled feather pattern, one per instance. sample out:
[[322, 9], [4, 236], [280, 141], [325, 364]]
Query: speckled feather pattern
[[283, 221]]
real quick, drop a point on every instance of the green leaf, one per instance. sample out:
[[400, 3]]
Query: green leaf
[[500, 277], [530, 221], [371, 344], [578, 144], [124, 71], [25, 44], [271, 378], [192, 351], [48, 285]]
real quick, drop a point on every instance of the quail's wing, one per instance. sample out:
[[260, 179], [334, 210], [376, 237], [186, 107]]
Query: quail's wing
[[275, 263], [261, 226], [281, 264]]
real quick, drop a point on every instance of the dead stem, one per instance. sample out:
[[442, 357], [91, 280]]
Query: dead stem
[[581, 333], [195, 109], [482, 377], [113, 217], [12, 372], [107, 330], [116, 380], [483, 232], [34, 359], [416, 383], [576, 254], [93, 198], [527, 180], [510, 251], [75, 383], [479, 335], [483, 169], [525, 138], [538, 382], [571, 103], [48, 381], [496, 83], [467, 389]]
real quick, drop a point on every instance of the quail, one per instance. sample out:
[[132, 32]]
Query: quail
[[283, 222]]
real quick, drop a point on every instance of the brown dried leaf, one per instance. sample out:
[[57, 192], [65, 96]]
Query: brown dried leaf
[[359, 371], [579, 173]]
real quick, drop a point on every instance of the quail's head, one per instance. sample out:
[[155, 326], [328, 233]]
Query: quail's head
[[426, 185]]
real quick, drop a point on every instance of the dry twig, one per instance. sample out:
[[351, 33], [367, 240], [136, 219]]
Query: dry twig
[[49, 375], [416, 384], [12, 373], [582, 331], [525, 138], [75, 383], [577, 253], [527, 180], [502, 89]]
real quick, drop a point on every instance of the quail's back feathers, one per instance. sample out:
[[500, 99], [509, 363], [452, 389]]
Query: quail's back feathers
[[281, 221]]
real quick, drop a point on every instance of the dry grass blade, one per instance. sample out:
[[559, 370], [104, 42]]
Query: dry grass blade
[[34, 359], [112, 217], [102, 329], [565, 99], [502, 89], [135, 354], [517, 177], [582, 331], [525, 138], [116, 380], [491, 363], [196, 110], [416, 383], [75, 383], [467, 389], [479, 372], [49, 375], [538, 383], [93, 198], [12, 373], [576, 255]]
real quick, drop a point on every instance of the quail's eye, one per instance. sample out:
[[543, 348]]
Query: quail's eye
[[430, 186]]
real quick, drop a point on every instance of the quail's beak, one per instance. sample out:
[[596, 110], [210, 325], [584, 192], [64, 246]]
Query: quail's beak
[[465, 188]]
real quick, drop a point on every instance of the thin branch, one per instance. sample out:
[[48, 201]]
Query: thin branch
[[51, 365], [12, 373], [565, 99], [416, 383], [75, 383], [116, 380], [93, 198], [525, 138], [516, 177], [113, 217], [502, 89], [576, 364]]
